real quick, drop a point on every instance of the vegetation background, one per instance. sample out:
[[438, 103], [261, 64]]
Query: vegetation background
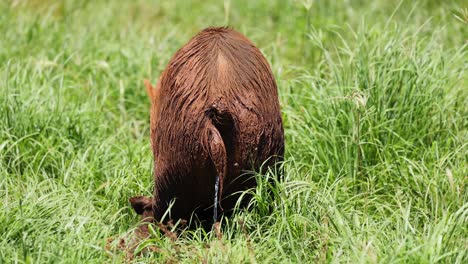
[[374, 100]]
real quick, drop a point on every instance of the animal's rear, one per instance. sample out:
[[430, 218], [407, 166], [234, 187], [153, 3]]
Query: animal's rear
[[218, 116]]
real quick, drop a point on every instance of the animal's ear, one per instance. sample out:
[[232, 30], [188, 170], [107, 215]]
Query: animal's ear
[[140, 203], [149, 88], [152, 91]]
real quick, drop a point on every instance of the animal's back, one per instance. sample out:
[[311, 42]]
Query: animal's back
[[218, 86]]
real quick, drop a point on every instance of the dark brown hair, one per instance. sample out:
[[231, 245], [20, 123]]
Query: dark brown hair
[[215, 114]]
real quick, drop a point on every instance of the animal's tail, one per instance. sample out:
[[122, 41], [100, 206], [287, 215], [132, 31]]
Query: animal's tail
[[219, 143]]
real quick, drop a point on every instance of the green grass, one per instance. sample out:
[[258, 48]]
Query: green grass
[[374, 99]]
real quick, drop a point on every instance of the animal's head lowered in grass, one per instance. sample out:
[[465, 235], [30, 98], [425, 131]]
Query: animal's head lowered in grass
[[142, 205]]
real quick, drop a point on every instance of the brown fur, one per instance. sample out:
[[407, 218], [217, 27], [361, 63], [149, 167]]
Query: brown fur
[[214, 111]]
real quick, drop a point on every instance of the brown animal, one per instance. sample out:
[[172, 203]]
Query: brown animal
[[215, 115]]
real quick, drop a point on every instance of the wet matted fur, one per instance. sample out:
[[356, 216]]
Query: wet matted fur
[[215, 113]]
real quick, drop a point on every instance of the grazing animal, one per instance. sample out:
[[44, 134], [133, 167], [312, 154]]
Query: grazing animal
[[215, 115]]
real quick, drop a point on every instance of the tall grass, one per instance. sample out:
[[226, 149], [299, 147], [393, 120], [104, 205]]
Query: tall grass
[[374, 102]]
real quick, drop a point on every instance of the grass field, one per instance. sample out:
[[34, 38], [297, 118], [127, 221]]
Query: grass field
[[374, 99]]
